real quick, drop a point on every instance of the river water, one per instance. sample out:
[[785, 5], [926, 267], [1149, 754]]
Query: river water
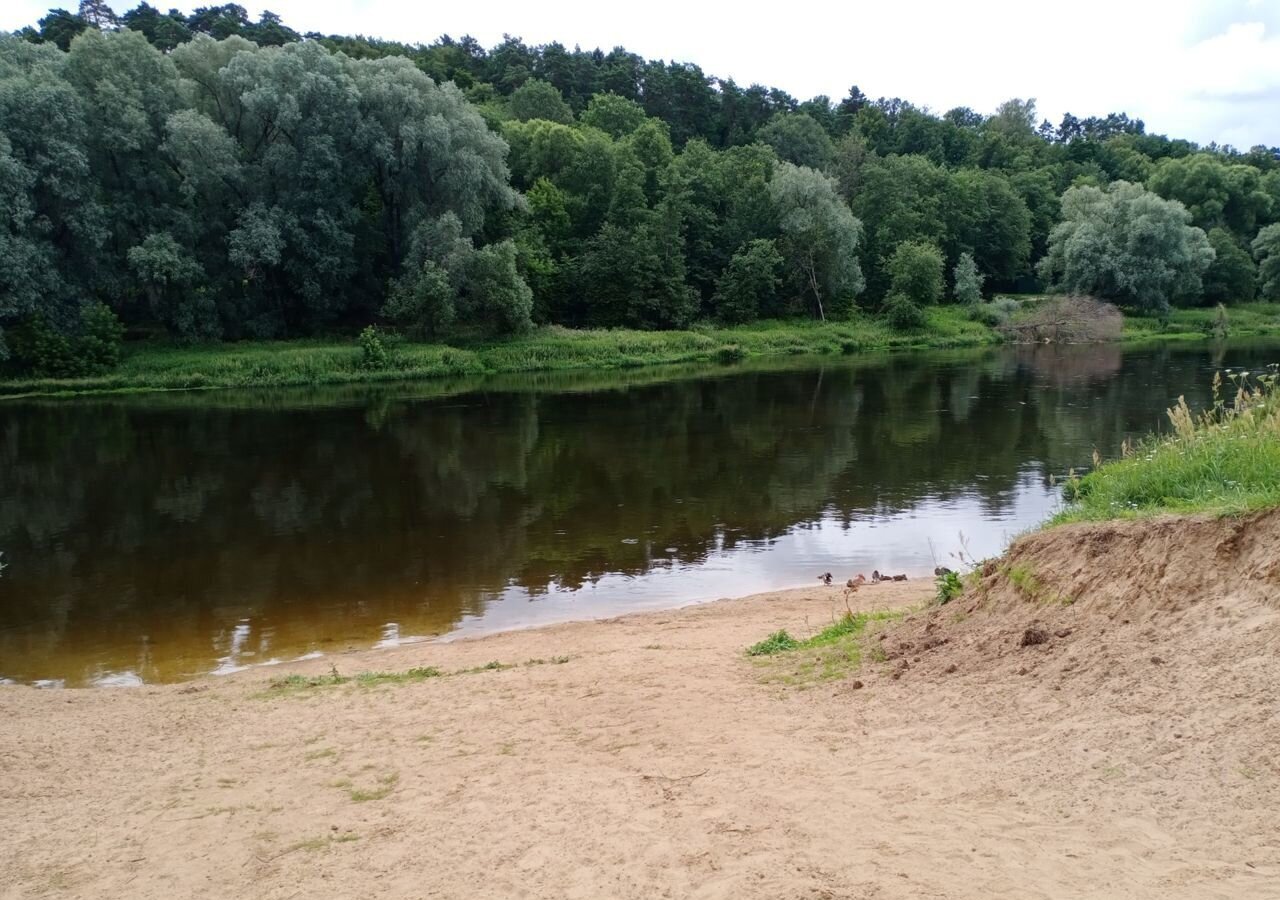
[[157, 537]]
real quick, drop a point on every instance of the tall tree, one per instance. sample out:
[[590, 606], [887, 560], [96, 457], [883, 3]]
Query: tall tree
[[820, 238], [1127, 245]]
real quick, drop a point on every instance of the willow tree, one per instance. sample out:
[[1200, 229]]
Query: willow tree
[[1126, 244], [820, 237]]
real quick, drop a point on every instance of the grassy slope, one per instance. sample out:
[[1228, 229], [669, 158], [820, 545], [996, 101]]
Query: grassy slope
[[1223, 461], [149, 367]]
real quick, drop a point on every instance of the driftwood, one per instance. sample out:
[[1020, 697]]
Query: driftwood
[[1066, 320]]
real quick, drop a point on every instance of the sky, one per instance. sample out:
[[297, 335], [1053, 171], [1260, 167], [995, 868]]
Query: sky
[[1207, 70]]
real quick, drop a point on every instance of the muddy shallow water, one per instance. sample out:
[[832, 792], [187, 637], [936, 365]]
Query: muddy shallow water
[[157, 537]]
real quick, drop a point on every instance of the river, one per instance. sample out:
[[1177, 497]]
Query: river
[[156, 537]]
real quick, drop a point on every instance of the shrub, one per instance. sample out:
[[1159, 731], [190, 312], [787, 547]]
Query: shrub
[[915, 271], [373, 352], [749, 283], [968, 281], [902, 314], [950, 586], [94, 348], [101, 333], [730, 353]]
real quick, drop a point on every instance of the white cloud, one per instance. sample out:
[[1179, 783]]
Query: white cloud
[[1201, 69]]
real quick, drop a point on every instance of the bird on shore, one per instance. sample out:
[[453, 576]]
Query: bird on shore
[[825, 578], [940, 571]]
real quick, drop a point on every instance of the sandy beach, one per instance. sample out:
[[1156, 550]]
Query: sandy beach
[[648, 756]]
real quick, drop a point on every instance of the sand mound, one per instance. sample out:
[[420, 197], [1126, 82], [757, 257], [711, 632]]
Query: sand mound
[[1202, 585]]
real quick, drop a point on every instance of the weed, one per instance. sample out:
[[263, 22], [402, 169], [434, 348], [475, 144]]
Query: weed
[[950, 586], [832, 652], [778, 642], [326, 753], [311, 845], [385, 784]]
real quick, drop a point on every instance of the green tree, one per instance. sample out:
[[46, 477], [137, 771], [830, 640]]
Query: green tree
[[797, 138], [968, 281], [820, 238], [539, 100], [1127, 245], [1266, 250], [1216, 193], [748, 284], [54, 223], [1231, 277], [60, 28], [915, 272], [614, 115]]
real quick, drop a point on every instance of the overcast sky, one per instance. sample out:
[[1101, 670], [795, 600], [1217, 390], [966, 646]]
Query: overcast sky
[[1201, 69]]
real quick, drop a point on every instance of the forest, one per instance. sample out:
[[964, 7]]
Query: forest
[[211, 177]]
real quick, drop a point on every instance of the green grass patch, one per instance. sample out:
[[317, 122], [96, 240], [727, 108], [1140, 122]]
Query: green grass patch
[[778, 642], [833, 652], [1224, 460]]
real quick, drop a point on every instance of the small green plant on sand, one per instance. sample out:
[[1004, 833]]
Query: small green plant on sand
[[950, 586], [778, 642], [831, 653]]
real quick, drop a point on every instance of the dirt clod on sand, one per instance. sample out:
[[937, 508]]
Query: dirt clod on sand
[[648, 756], [1033, 636]]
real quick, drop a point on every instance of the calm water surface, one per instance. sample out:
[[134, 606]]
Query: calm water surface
[[158, 537]]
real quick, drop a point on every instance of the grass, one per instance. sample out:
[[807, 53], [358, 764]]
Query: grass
[[164, 367], [297, 685], [158, 366], [312, 845], [1225, 460], [1243, 320], [385, 785], [832, 653]]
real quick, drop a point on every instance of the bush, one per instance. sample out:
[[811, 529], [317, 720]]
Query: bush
[[902, 314], [93, 349], [373, 352], [101, 333], [748, 284], [730, 353], [915, 271], [968, 281]]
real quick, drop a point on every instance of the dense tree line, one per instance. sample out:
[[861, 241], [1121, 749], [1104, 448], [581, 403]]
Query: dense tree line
[[216, 177]]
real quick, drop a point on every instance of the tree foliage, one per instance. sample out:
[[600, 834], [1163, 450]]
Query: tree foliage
[[967, 280], [1126, 244], [820, 238], [217, 176], [915, 272]]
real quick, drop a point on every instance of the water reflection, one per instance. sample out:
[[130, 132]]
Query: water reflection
[[158, 537]]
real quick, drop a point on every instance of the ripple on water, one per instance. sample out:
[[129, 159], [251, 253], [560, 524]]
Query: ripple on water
[[126, 679]]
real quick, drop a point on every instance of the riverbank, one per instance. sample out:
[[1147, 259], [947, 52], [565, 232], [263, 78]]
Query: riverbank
[[650, 755], [163, 367]]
